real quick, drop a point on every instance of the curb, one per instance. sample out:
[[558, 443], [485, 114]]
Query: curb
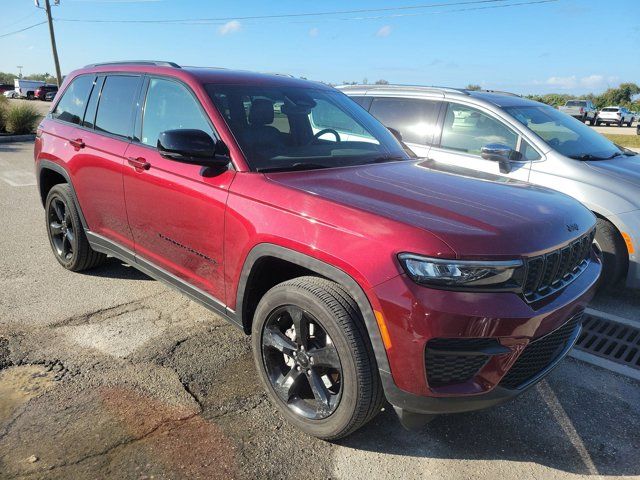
[[17, 138]]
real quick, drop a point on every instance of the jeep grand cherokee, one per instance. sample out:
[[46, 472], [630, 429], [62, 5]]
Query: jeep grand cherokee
[[360, 272]]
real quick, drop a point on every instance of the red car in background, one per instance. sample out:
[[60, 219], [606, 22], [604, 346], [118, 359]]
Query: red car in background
[[41, 92], [280, 204]]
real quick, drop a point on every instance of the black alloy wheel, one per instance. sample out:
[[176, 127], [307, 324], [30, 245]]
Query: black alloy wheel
[[302, 362], [61, 230]]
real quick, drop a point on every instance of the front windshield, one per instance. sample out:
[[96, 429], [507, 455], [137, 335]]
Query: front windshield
[[283, 128], [565, 134]]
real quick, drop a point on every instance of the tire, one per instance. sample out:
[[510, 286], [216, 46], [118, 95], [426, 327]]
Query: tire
[[614, 253], [30, 96], [597, 123], [592, 122], [331, 310], [66, 234]]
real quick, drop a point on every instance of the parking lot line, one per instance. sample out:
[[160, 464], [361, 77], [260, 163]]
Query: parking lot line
[[18, 178]]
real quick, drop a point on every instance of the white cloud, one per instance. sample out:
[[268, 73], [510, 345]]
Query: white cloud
[[384, 31], [230, 27], [573, 82], [314, 32]]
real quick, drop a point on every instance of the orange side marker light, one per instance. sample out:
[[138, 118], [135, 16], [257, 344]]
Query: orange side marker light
[[386, 339], [629, 242]]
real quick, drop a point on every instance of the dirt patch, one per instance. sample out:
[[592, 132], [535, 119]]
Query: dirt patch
[[20, 384]]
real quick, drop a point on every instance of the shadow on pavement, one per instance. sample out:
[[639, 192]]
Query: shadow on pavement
[[114, 268], [581, 420]]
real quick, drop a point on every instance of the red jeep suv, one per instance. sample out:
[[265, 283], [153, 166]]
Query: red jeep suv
[[280, 204]]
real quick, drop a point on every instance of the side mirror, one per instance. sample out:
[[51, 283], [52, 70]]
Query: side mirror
[[193, 146], [503, 154]]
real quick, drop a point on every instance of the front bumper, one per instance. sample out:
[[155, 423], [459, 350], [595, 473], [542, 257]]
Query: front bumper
[[415, 315]]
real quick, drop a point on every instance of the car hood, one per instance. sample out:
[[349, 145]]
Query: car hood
[[476, 214], [625, 169]]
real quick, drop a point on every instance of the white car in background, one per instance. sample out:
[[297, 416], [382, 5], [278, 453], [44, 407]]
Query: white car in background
[[617, 115], [11, 94]]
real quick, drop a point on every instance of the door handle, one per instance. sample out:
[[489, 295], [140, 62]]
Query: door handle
[[138, 163], [77, 143]]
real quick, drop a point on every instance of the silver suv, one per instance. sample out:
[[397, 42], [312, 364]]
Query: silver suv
[[510, 136]]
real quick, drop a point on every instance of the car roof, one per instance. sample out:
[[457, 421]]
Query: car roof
[[499, 99], [203, 75]]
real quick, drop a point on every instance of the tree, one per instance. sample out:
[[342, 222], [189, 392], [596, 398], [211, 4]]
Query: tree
[[473, 86], [382, 82]]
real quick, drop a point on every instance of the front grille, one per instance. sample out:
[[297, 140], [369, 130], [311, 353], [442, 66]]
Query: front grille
[[549, 273], [451, 361], [540, 354]]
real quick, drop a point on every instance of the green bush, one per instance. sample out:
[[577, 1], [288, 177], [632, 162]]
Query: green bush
[[4, 105], [21, 119]]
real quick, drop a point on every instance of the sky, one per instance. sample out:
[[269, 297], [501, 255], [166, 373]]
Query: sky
[[564, 46]]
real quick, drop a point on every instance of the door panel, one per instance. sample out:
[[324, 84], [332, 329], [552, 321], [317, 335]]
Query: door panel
[[94, 161], [176, 213], [176, 210]]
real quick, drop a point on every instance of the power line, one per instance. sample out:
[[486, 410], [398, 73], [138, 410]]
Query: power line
[[22, 29], [296, 15]]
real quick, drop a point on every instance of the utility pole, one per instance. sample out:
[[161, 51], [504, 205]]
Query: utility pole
[[47, 8]]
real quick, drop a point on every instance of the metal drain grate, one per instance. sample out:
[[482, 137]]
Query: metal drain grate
[[614, 341]]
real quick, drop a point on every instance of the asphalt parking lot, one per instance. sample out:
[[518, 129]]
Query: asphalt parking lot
[[110, 374]]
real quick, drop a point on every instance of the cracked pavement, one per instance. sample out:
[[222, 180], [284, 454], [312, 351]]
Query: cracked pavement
[[109, 374]]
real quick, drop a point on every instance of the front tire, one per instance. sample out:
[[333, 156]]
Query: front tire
[[314, 357], [66, 234], [615, 257]]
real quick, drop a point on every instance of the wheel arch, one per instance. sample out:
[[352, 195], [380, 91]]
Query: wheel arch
[[49, 174], [265, 252]]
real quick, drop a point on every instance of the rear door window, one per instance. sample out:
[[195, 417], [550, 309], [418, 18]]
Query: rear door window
[[415, 119], [117, 105], [71, 106]]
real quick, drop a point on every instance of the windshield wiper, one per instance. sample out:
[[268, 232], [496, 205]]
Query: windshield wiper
[[588, 156], [291, 168]]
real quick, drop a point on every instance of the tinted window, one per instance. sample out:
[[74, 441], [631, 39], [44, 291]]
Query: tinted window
[[414, 119], [170, 106], [576, 103], [70, 108], [355, 137], [467, 130], [116, 106], [528, 152], [364, 102], [90, 114]]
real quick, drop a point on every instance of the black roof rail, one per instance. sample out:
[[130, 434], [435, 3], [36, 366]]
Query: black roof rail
[[511, 94], [136, 62]]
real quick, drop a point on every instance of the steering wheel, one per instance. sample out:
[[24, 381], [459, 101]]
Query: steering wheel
[[326, 130]]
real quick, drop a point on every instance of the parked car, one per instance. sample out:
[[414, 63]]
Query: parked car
[[11, 94], [41, 92], [617, 115], [360, 271], [50, 96], [27, 88], [583, 110], [537, 144]]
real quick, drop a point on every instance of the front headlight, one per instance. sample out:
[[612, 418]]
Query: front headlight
[[464, 274]]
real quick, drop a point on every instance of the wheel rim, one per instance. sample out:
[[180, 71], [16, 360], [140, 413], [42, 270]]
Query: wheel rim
[[61, 229], [301, 362]]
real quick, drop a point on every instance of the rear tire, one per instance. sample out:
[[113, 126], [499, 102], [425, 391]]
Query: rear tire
[[334, 316], [615, 257], [66, 233]]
